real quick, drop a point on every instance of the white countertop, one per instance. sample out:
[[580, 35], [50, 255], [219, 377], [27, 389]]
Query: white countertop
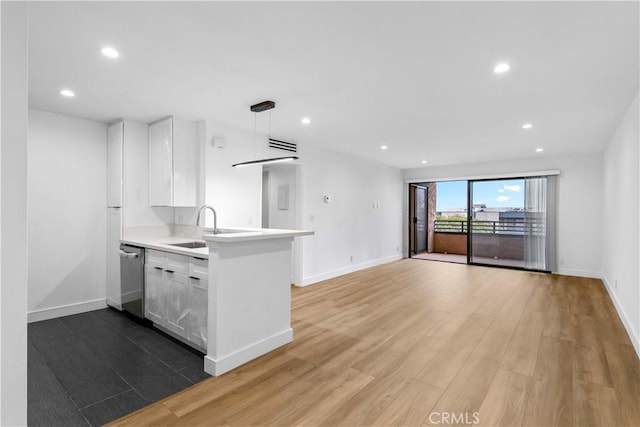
[[248, 234], [164, 244], [233, 235]]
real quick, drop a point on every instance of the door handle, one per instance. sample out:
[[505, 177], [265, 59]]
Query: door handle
[[124, 254]]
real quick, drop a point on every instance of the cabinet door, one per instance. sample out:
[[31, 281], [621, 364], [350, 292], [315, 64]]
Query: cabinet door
[[114, 234], [185, 163], [198, 309], [161, 163], [176, 308], [135, 186], [154, 295], [115, 140]]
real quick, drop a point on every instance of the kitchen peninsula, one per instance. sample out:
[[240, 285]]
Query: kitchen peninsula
[[249, 295]]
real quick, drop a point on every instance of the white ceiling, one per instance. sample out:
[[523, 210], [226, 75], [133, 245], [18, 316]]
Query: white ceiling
[[415, 76]]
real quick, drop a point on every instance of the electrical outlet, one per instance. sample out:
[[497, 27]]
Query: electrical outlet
[[250, 220], [351, 258], [397, 248], [312, 218], [180, 219], [615, 284]]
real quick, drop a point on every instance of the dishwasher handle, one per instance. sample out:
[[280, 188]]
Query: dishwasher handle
[[124, 254]]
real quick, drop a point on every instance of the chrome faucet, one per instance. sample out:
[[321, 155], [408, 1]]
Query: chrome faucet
[[215, 218]]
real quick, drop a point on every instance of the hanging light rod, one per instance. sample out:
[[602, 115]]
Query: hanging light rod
[[257, 108], [266, 161], [262, 106]]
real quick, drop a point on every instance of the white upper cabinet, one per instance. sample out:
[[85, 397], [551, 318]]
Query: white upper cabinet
[[185, 163], [115, 142], [173, 163], [161, 163]]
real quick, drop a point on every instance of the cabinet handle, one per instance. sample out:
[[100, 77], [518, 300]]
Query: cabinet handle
[[124, 254], [194, 278], [170, 271], [158, 268]]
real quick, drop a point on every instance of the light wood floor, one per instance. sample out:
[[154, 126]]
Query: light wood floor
[[408, 342], [462, 259]]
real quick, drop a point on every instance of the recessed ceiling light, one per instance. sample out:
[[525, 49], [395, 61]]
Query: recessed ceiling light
[[539, 150], [527, 126], [67, 93], [383, 147], [424, 162], [109, 52], [305, 120], [503, 67]]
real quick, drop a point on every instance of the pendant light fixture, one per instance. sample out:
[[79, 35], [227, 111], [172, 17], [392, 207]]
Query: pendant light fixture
[[257, 108]]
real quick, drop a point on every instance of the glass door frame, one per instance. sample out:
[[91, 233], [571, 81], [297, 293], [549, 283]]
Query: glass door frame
[[412, 189], [410, 210], [470, 217], [411, 214]]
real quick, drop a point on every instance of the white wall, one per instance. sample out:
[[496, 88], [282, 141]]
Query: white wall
[[235, 193], [349, 225], [620, 211], [13, 214], [282, 174], [67, 213], [579, 199], [265, 198]]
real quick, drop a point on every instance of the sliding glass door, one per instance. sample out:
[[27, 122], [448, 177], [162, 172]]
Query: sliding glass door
[[497, 222], [512, 223]]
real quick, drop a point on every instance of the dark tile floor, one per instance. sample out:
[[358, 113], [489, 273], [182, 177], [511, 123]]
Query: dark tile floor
[[91, 368]]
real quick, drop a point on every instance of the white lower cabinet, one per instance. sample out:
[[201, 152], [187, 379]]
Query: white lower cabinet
[[154, 294], [199, 307], [176, 307], [177, 300]]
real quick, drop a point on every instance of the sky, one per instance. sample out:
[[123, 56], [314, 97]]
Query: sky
[[504, 193]]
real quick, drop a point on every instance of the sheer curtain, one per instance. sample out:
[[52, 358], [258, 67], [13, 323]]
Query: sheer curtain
[[540, 220], [551, 250]]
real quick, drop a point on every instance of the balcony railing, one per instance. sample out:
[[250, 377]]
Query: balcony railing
[[519, 227], [450, 226]]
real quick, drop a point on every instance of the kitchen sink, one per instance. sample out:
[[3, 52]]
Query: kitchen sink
[[190, 245]]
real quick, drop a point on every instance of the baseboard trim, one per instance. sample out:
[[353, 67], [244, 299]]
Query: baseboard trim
[[217, 367], [65, 310], [114, 304], [631, 331], [579, 273], [306, 281]]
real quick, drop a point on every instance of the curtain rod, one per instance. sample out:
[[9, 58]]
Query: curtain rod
[[490, 176]]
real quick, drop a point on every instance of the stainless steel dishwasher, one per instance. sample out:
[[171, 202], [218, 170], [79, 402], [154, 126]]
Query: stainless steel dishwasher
[[132, 279]]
